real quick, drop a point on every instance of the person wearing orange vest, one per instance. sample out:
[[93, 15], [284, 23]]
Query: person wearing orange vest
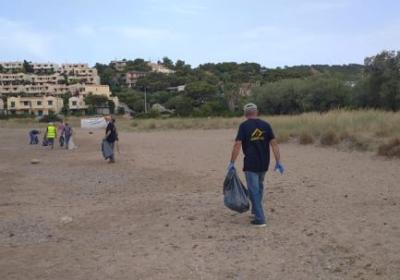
[[51, 134]]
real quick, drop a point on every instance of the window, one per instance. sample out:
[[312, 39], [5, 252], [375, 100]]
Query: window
[[50, 102], [40, 113], [39, 103], [12, 104], [74, 103], [26, 103]]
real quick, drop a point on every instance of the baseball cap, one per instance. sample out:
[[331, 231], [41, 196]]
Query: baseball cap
[[250, 107]]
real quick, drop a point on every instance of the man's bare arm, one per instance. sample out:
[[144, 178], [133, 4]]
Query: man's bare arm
[[235, 151], [275, 150]]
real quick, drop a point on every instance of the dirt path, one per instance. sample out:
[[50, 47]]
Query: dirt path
[[158, 212]]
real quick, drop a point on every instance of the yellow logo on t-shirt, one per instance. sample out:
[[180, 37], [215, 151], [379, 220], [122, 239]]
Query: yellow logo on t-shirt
[[257, 135]]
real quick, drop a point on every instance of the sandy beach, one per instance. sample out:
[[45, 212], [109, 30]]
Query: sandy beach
[[157, 213]]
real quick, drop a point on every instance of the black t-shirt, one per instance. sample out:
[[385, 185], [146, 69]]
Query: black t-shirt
[[113, 136], [255, 135]]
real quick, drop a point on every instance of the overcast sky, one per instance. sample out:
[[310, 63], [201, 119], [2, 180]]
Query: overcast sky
[[270, 32]]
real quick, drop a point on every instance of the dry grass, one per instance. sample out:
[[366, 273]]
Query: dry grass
[[390, 149], [361, 130], [329, 138], [306, 138]]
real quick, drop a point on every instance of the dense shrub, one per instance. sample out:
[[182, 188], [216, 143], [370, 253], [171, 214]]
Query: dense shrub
[[302, 95], [306, 138], [329, 138]]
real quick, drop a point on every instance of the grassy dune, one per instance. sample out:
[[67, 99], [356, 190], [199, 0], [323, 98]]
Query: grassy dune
[[368, 130]]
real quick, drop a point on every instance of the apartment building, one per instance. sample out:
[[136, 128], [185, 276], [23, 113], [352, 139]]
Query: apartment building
[[10, 66], [41, 91], [37, 67], [131, 77], [80, 72], [37, 105], [77, 103], [44, 67], [22, 78]]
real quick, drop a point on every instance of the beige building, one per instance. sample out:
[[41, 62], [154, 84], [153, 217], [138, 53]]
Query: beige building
[[118, 65], [73, 73], [14, 65], [37, 67], [40, 92], [103, 90], [80, 72], [77, 102], [44, 67], [39, 106], [159, 68], [22, 78]]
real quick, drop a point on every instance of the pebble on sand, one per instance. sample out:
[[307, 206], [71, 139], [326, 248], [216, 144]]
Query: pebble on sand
[[66, 220], [35, 161]]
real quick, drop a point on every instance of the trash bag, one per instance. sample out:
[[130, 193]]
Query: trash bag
[[71, 144], [107, 149], [236, 196]]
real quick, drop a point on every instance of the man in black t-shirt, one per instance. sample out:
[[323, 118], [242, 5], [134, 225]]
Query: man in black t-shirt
[[255, 136]]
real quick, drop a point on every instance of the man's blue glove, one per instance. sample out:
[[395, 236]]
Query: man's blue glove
[[231, 166], [279, 167]]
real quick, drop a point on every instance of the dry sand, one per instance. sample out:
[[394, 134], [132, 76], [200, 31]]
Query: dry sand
[[158, 213]]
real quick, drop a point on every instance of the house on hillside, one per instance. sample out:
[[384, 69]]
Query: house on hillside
[[131, 77], [118, 65], [177, 88], [159, 68]]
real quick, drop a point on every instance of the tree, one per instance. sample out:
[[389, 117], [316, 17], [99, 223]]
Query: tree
[[138, 64], [383, 80], [231, 93], [200, 92], [96, 100], [302, 95], [181, 104], [27, 67], [168, 63]]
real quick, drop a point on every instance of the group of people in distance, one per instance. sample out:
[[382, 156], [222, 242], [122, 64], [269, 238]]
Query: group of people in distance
[[63, 131]]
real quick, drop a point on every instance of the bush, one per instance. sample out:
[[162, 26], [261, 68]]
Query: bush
[[329, 138], [306, 138], [391, 149]]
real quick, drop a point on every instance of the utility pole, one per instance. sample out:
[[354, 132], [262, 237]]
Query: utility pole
[[145, 100]]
